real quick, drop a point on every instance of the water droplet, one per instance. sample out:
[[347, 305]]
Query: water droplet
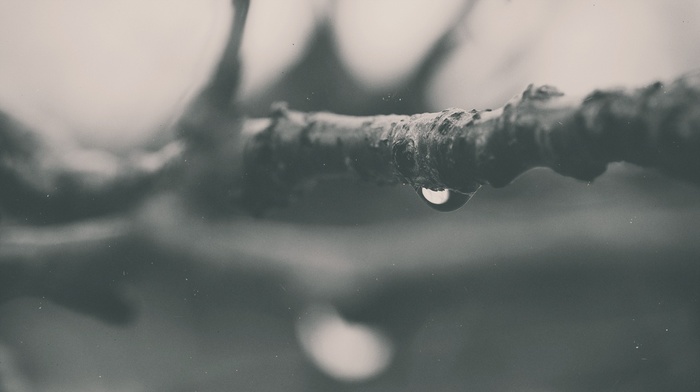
[[444, 200], [435, 197]]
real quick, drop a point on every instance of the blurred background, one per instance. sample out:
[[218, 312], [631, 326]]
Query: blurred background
[[549, 284]]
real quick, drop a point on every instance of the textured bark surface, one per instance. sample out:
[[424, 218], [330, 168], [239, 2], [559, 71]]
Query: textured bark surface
[[261, 163], [657, 126]]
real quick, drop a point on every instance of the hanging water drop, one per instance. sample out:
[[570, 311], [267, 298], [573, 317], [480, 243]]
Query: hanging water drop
[[435, 197], [444, 200]]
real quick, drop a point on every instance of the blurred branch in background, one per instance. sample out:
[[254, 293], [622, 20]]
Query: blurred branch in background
[[322, 79], [40, 184], [68, 265]]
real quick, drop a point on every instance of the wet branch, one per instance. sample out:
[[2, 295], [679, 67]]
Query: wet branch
[[657, 127], [270, 160]]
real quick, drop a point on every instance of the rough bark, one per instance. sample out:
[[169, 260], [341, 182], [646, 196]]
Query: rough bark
[[657, 126], [263, 166]]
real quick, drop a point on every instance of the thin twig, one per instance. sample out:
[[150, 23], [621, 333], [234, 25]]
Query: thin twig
[[224, 82]]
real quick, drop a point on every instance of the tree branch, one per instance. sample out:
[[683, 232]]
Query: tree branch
[[267, 163], [657, 126], [223, 84], [41, 185]]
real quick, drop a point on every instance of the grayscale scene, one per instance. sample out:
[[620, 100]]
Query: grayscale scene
[[349, 195]]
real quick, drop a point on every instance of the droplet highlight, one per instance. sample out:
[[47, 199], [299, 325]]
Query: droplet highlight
[[444, 200], [435, 197]]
